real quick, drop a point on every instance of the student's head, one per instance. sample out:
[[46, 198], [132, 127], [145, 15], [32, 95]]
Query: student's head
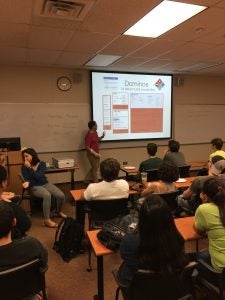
[[217, 143], [168, 172], [152, 149], [7, 219], [161, 244], [173, 146], [213, 190], [217, 165], [109, 169], [3, 178], [31, 155], [92, 124]]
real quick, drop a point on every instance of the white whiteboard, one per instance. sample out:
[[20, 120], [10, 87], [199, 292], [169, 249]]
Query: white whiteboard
[[46, 127], [199, 123]]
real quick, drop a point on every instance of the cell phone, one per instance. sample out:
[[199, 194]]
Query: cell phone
[[21, 177]]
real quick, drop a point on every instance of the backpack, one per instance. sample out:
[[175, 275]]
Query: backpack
[[68, 238], [113, 231]]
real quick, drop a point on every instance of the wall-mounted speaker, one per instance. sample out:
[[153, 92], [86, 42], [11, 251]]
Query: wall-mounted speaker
[[178, 81]]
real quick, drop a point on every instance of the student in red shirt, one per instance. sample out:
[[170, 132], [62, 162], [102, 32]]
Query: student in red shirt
[[92, 146]]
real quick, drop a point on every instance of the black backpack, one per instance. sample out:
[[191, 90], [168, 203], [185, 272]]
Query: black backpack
[[68, 238]]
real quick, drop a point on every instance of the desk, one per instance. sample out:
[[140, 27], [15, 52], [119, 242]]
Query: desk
[[184, 226], [62, 170], [186, 184], [198, 165]]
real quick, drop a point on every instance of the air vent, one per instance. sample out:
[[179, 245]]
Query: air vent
[[70, 10]]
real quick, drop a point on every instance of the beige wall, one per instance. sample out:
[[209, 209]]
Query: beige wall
[[26, 84]]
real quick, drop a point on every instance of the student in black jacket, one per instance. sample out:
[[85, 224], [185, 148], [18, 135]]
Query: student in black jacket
[[23, 222]]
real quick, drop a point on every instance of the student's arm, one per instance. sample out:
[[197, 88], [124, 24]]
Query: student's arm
[[200, 224], [149, 189]]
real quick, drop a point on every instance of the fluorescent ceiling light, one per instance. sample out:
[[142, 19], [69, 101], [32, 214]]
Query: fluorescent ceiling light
[[101, 60], [165, 16]]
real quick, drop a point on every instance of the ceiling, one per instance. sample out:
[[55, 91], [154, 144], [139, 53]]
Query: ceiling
[[32, 34]]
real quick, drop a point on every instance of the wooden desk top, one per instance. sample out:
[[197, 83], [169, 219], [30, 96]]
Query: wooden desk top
[[184, 226], [55, 170], [185, 184], [77, 194], [198, 164], [98, 247]]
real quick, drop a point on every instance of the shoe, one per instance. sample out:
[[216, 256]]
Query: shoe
[[50, 224], [62, 215]]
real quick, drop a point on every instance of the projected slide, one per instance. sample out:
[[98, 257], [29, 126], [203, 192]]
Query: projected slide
[[132, 106]]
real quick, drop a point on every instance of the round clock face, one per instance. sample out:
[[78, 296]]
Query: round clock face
[[64, 83]]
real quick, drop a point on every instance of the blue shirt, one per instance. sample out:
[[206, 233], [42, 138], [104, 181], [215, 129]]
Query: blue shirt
[[35, 178]]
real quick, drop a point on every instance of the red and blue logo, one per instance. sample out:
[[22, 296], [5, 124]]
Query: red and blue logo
[[159, 84]]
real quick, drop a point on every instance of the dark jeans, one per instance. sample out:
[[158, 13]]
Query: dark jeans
[[203, 271]]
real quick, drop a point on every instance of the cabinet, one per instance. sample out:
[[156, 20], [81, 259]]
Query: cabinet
[[12, 161]]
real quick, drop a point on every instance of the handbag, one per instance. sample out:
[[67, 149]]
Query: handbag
[[114, 230]]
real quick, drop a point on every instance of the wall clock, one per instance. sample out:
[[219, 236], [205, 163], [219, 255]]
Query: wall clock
[[64, 83]]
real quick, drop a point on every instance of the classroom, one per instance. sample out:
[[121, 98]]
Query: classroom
[[42, 42]]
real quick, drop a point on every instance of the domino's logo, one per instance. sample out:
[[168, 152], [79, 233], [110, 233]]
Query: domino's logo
[[159, 84]]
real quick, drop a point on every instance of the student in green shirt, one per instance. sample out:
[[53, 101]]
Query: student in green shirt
[[210, 220], [153, 162]]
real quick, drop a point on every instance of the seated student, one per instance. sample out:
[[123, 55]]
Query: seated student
[[153, 162], [168, 174], [210, 220], [20, 251], [217, 165], [33, 171], [109, 188], [173, 155], [189, 201], [23, 223], [217, 145], [156, 245]]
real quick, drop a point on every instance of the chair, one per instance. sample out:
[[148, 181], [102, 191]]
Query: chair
[[152, 175], [170, 199], [23, 281], [100, 211], [34, 202], [147, 285], [216, 287], [184, 171], [103, 210]]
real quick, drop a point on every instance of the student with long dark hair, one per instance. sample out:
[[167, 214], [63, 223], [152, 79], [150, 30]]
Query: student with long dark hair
[[168, 174], [156, 245], [210, 220], [33, 171]]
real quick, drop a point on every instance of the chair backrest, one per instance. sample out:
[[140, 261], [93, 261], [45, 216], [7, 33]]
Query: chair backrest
[[103, 210], [184, 171], [23, 281], [152, 175], [216, 284], [170, 199], [150, 285]]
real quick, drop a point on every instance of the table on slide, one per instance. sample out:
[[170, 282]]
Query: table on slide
[[184, 225]]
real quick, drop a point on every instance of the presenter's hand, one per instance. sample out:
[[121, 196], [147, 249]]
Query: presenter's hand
[[97, 155], [26, 184], [103, 135]]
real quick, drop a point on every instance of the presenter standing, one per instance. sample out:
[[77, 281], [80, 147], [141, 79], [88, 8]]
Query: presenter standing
[[92, 146]]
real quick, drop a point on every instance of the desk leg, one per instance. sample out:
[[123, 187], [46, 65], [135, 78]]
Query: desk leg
[[72, 179], [100, 295]]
